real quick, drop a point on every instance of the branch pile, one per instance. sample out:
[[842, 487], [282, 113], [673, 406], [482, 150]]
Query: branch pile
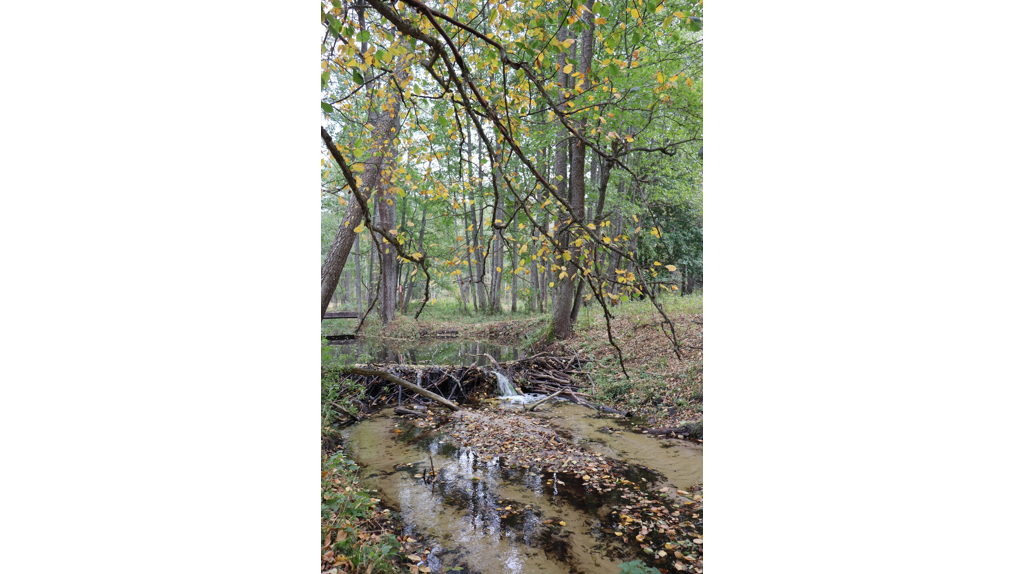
[[541, 373]]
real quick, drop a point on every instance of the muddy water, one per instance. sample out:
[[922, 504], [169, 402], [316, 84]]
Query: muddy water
[[488, 517], [680, 462]]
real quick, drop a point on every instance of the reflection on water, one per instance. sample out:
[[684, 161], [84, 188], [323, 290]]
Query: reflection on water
[[481, 512], [454, 352]]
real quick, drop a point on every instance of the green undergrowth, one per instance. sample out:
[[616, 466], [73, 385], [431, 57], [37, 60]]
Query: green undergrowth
[[356, 531]]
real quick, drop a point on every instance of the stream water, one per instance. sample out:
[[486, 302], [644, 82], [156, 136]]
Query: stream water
[[487, 516]]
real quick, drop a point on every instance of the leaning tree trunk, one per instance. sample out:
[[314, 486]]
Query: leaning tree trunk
[[385, 132]]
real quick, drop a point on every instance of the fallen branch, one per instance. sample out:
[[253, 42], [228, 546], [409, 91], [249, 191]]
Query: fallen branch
[[544, 400], [393, 379]]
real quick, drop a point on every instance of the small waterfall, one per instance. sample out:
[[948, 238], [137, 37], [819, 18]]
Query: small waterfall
[[419, 378], [505, 387], [510, 396]]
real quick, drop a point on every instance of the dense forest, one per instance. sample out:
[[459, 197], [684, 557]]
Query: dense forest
[[510, 156]]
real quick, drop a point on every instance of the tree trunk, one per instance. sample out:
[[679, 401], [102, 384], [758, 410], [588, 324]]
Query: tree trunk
[[561, 321], [385, 132], [389, 260], [560, 316], [479, 253], [498, 249]]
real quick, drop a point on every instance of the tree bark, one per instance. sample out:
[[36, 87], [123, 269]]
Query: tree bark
[[561, 322], [385, 132], [359, 280], [498, 249]]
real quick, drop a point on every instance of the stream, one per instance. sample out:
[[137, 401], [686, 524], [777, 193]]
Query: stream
[[485, 515]]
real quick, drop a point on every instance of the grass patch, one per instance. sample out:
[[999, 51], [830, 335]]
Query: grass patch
[[349, 513]]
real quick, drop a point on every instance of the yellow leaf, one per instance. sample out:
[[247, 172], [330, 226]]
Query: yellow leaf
[[679, 15], [567, 69], [661, 78], [689, 82], [499, 269], [552, 284], [561, 522], [591, 226], [360, 228], [657, 263], [634, 13], [670, 267]]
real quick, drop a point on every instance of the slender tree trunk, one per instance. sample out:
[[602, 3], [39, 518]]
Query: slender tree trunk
[[412, 282], [561, 321], [478, 224], [359, 281], [560, 317], [515, 287], [389, 260], [498, 249], [371, 279]]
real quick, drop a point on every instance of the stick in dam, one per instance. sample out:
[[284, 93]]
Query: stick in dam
[[391, 378]]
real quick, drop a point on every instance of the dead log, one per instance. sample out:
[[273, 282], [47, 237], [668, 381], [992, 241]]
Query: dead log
[[391, 378], [404, 411]]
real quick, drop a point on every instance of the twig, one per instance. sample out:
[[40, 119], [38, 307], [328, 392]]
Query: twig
[[544, 400]]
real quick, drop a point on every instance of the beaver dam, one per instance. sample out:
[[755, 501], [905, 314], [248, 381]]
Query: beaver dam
[[486, 485]]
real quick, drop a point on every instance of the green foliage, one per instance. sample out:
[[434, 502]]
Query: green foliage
[[344, 505], [616, 390]]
